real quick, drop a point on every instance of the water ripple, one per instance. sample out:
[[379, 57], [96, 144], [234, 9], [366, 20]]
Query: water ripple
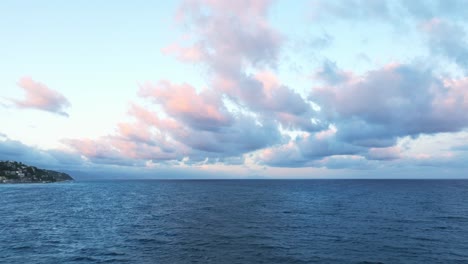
[[235, 222]]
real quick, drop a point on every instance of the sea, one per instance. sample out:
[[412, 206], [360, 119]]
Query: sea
[[235, 221]]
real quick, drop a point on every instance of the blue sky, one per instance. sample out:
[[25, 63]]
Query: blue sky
[[203, 88]]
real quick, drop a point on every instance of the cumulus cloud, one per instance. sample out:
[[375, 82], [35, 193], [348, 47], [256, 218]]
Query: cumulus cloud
[[39, 96], [197, 128], [240, 49], [202, 122], [238, 45], [394, 101], [246, 110], [229, 34], [205, 111], [370, 112]]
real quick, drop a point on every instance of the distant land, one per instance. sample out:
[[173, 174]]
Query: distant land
[[17, 172]]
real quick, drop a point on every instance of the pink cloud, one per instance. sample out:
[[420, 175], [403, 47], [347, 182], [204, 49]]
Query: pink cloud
[[124, 148], [135, 131], [152, 119], [187, 54], [39, 96], [228, 37], [204, 110], [228, 34], [397, 100]]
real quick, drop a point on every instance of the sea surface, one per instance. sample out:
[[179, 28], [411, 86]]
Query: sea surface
[[235, 221]]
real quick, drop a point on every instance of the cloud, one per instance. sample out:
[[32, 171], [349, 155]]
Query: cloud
[[447, 39], [393, 11], [394, 101], [229, 34], [321, 42], [307, 149], [329, 73], [350, 9], [202, 122], [246, 110], [442, 21], [49, 159], [239, 47], [390, 153], [185, 54], [345, 162], [99, 151], [264, 95], [370, 112], [39, 96], [196, 127], [84, 169], [204, 110]]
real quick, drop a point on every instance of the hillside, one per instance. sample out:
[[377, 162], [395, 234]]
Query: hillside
[[17, 172]]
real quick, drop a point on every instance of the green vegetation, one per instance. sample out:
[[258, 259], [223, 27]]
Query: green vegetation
[[17, 172]]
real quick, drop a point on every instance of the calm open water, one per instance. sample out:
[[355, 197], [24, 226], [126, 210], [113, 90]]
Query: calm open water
[[235, 221]]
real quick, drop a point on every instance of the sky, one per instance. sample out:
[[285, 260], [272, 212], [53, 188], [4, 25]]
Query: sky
[[236, 89]]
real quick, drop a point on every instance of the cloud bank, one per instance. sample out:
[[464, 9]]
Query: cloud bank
[[245, 113]]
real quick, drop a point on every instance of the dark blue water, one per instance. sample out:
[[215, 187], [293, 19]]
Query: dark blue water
[[316, 221]]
